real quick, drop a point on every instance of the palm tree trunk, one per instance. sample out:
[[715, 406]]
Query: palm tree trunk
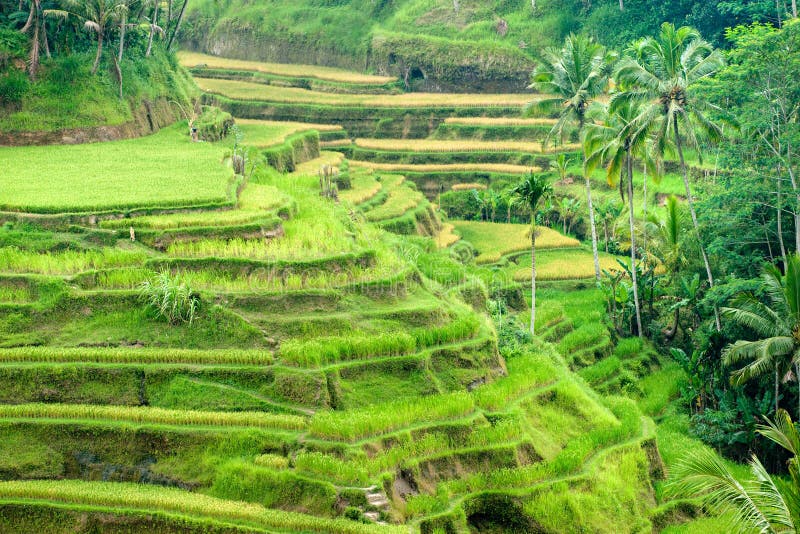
[[122, 28], [177, 25], [794, 8], [153, 24], [99, 51], [533, 273], [33, 68], [644, 208], [631, 220], [622, 5], [593, 226], [695, 224], [779, 214], [776, 388]]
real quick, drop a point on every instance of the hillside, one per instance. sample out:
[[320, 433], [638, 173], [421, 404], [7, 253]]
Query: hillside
[[333, 267], [436, 45]]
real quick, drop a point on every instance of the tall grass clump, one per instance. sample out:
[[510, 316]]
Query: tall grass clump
[[171, 297]]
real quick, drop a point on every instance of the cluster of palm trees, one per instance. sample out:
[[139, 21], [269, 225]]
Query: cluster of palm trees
[[633, 110], [101, 18]]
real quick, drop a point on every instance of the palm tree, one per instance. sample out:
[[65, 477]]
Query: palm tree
[[777, 325], [615, 142], [36, 27], [97, 16], [662, 73], [530, 191], [759, 504], [575, 75]]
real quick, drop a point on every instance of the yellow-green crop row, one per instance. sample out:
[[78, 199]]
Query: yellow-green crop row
[[16, 260], [195, 59], [499, 121], [270, 93], [139, 355], [311, 167], [400, 200], [495, 240], [147, 415], [371, 421], [468, 186], [446, 167], [446, 236], [255, 203], [572, 264], [364, 187], [260, 133], [460, 145], [149, 497], [335, 143]]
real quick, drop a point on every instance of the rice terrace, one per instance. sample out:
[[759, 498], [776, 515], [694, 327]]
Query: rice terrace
[[399, 266]]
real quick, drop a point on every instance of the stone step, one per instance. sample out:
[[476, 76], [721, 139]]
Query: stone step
[[372, 516], [377, 499]]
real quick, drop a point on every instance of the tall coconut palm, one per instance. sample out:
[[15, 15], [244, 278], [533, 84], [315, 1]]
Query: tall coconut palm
[[777, 325], [530, 192], [612, 141], [662, 72], [97, 16], [758, 504], [36, 28], [574, 76]]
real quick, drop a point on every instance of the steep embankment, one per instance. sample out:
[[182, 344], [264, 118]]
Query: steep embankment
[[67, 104]]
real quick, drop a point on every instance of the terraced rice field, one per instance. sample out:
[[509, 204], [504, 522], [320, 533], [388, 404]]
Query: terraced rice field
[[444, 167], [194, 59], [341, 372], [429, 145], [161, 170], [500, 121], [258, 133], [495, 240], [267, 93]]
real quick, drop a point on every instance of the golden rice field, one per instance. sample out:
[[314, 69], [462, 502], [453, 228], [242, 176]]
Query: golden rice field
[[335, 143], [311, 167], [446, 236], [468, 187], [495, 240], [573, 264], [364, 187], [460, 145], [270, 93], [446, 167], [331, 74], [500, 121]]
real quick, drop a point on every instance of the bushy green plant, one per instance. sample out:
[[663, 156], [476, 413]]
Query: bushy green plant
[[172, 298], [13, 87]]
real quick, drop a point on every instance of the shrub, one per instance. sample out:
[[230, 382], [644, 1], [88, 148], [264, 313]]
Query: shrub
[[14, 86], [171, 297]]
